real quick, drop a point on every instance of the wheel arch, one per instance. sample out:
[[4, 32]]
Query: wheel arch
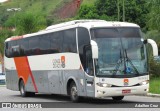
[[69, 81], [20, 79]]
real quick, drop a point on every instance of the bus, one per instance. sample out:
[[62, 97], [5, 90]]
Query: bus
[[80, 58]]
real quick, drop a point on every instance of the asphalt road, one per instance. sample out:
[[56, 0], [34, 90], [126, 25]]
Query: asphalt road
[[58, 101]]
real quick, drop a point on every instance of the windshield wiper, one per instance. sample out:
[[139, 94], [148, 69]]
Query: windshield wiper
[[118, 64], [129, 60]]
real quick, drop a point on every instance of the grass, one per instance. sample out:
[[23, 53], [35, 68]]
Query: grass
[[31, 5], [43, 6], [154, 85], [88, 2]]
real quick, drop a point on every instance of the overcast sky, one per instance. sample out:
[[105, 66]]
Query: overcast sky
[[2, 1]]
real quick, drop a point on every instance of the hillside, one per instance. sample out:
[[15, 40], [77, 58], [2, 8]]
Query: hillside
[[45, 7], [52, 9], [88, 2]]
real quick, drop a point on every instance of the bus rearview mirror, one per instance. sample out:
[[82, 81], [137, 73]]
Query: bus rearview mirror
[[94, 47], [154, 46]]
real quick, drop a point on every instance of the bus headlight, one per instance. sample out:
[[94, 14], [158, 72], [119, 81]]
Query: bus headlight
[[103, 84], [144, 82]]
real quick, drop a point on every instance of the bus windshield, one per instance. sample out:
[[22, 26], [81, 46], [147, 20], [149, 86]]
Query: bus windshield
[[121, 52]]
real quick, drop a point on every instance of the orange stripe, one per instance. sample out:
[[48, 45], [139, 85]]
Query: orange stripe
[[24, 70], [17, 38]]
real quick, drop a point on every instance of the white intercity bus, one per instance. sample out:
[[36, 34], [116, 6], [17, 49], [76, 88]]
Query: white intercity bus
[[80, 58]]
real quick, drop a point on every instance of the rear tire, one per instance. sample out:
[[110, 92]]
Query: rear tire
[[23, 91], [117, 98], [74, 92]]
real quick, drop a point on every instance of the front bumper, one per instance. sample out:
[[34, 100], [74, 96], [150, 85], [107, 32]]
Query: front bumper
[[120, 91]]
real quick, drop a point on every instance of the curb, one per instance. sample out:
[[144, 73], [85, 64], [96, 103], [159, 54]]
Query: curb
[[149, 95], [153, 95]]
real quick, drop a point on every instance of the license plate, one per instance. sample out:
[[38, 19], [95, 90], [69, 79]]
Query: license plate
[[126, 91]]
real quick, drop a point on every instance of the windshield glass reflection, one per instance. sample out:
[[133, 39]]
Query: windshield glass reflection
[[121, 51]]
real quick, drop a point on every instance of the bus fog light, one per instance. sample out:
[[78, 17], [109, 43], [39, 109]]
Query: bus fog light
[[146, 90], [104, 85], [144, 82]]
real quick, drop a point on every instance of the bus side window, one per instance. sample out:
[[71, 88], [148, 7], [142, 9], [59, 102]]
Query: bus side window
[[69, 41], [7, 49], [56, 42], [88, 61], [34, 46]]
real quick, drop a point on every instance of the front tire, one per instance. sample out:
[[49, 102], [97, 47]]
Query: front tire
[[117, 98], [74, 92]]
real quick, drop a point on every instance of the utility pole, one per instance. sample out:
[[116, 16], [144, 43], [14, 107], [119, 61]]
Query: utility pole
[[118, 10], [123, 10]]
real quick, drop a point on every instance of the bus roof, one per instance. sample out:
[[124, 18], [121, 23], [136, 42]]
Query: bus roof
[[77, 23]]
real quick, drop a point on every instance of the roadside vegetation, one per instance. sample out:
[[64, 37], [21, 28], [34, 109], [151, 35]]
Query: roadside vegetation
[[154, 86], [88, 2]]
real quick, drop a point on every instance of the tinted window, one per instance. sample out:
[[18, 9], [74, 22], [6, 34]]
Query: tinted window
[[88, 61], [129, 32], [45, 44], [69, 42], [104, 33], [56, 42], [7, 49], [83, 40], [24, 46], [126, 32], [34, 46], [14, 49]]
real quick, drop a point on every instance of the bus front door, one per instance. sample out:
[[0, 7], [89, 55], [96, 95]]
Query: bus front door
[[89, 72]]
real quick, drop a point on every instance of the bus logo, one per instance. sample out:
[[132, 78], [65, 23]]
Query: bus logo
[[59, 63], [125, 81], [63, 61]]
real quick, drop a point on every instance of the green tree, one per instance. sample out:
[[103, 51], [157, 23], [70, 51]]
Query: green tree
[[27, 23], [4, 34], [88, 12], [107, 7], [154, 15], [135, 11]]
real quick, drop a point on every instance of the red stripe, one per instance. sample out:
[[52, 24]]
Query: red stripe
[[33, 81]]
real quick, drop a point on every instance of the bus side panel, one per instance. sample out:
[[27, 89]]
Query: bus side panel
[[54, 83], [41, 81], [12, 80], [58, 81], [29, 85], [8, 79], [11, 74], [78, 77]]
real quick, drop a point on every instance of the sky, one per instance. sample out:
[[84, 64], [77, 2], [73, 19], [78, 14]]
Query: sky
[[2, 1]]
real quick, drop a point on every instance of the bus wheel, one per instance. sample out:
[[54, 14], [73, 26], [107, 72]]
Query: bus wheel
[[118, 98], [22, 89], [74, 92]]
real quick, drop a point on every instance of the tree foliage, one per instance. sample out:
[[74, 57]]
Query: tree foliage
[[154, 15], [88, 12], [4, 34], [135, 11], [27, 23]]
